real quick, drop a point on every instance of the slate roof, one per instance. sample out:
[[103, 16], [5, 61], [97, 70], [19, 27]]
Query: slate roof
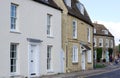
[[50, 3], [74, 11], [99, 30]]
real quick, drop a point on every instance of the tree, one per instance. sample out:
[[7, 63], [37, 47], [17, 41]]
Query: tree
[[99, 54]]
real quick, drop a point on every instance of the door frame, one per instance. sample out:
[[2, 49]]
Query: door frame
[[37, 72], [83, 67]]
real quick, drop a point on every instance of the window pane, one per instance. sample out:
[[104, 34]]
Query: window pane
[[75, 54], [11, 68], [13, 56], [13, 16], [49, 57], [74, 29], [48, 24]]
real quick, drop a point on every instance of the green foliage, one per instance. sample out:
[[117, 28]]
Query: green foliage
[[99, 54], [110, 51], [98, 65], [119, 48]]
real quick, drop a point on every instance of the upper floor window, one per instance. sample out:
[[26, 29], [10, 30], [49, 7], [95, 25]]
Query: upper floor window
[[81, 8], [49, 27], [94, 30], [95, 42], [46, 0], [111, 43], [107, 43], [68, 2], [100, 42], [88, 34], [75, 54], [74, 29], [13, 17], [105, 32]]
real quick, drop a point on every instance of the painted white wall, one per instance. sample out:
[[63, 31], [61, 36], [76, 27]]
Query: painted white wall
[[32, 24]]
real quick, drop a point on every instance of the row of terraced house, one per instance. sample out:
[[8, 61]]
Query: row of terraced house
[[44, 37]]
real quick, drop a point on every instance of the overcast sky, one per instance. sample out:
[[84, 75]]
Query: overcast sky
[[105, 12]]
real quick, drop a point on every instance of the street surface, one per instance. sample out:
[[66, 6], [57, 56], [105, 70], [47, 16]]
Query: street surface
[[113, 74]]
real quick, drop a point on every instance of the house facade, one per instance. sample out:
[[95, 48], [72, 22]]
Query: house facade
[[77, 36], [104, 45], [30, 42]]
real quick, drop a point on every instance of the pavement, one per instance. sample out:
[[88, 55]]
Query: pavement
[[86, 73]]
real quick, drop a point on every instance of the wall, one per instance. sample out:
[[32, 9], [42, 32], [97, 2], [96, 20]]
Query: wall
[[32, 24]]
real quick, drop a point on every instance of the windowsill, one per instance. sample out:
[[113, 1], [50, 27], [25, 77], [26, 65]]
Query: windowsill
[[50, 71], [74, 38], [49, 36], [89, 62], [89, 42], [17, 32], [14, 74], [75, 62]]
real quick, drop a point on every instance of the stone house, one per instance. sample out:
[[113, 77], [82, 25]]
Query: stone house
[[104, 40], [77, 36]]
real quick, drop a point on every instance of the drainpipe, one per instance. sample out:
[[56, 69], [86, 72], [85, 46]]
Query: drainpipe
[[94, 60]]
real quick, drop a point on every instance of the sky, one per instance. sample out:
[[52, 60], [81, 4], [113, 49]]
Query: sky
[[105, 12]]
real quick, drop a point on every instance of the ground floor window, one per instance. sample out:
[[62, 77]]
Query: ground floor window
[[49, 48], [75, 54], [89, 56], [13, 57]]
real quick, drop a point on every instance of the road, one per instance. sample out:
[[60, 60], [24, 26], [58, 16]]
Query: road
[[113, 74]]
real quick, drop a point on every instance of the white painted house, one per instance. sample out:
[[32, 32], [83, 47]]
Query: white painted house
[[30, 41]]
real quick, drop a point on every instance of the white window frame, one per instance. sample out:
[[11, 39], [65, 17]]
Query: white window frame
[[68, 2], [13, 58], [111, 43], [49, 58], [89, 56], [88, 34], [94, 30], [95, 42], [81, 8], [101, 42], [105, 32], [14, 18], [75, 54], [107, 43], [49, 25], [74, 25]]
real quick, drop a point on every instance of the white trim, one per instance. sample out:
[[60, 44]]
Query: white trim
[[51, 63], [88, 34], [75, 54], [101, 41], [38, 59], [83, 61], [74, 35], [89, 56], [17, 60]]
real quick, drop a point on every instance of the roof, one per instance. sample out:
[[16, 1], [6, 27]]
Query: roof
[[74, 11], [50, 3], [100, 30]]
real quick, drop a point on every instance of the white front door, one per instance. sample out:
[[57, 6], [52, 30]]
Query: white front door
[[33, 60], [83, 61]]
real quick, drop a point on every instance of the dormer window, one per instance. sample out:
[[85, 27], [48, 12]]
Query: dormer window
[[105, 32], [94, 30], [68, 3], [45, 0], [81, 8]]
